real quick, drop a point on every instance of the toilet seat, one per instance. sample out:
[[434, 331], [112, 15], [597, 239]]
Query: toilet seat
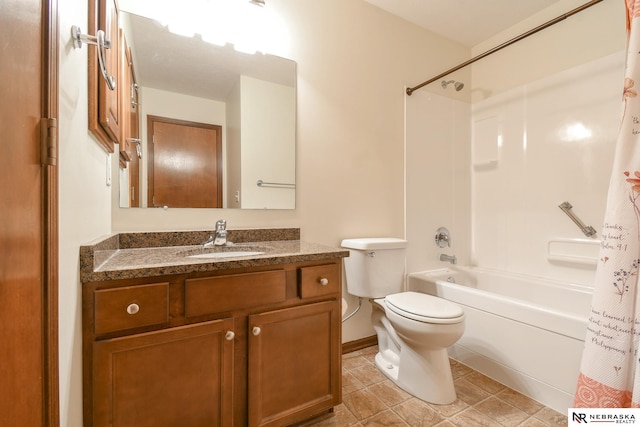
[[424, 308]]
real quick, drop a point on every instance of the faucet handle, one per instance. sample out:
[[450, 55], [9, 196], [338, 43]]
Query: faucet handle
[[221, 224], [442, 237]]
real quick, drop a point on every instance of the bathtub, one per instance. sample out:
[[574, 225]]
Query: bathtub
[[525, 332]]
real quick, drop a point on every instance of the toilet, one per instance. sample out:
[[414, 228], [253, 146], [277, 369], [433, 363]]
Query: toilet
[[413, 329]]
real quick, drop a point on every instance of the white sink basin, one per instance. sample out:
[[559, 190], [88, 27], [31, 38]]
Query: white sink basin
[[226, 251], [226, 254]]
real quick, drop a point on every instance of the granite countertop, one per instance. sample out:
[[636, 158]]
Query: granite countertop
[[134, 255]]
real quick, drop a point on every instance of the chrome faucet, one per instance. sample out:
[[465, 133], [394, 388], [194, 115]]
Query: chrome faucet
[[220, 238], [450, 258], [221, 233]]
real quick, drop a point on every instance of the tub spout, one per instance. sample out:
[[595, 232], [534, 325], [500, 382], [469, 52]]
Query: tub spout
[[450, 258]]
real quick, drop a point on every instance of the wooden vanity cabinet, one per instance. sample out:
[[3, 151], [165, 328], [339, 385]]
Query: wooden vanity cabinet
[[293, 363], [175, 377], [248, 347]]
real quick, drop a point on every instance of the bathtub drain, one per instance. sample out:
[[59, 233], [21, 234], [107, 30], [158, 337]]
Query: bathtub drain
[[450, 279]]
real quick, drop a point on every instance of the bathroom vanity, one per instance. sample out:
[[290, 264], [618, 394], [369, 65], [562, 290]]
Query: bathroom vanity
[[174, 337]]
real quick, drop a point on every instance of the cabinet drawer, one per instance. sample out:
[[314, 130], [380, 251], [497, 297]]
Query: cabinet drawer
[[131, 307], [319, 280], [234, 292]]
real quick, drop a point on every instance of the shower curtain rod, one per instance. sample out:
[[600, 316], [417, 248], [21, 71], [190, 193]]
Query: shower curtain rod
[[547, 24]]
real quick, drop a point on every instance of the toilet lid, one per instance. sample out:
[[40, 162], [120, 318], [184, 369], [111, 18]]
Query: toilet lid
[[424, 308]]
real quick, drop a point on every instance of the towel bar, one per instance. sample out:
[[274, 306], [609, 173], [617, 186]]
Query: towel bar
[[262, 183]]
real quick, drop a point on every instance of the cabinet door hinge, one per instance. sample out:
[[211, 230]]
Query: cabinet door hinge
[[48, 141]]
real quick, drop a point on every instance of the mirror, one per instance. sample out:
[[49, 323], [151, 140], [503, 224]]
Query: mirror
[[250, 97]]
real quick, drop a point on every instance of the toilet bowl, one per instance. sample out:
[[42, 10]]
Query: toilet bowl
[[421, 366], [413, 329]]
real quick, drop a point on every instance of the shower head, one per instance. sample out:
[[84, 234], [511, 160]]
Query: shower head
[[456, 84]]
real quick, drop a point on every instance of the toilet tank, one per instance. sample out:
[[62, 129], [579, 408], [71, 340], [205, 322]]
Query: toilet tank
[[375, 266]]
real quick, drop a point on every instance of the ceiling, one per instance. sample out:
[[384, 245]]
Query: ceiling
[[467, 22]]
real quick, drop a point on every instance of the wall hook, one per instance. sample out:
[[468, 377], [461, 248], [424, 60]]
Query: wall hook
[[100, 41], [137, 141]]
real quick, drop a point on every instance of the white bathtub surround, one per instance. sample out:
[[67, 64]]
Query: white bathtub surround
[[526, 333], [438, 177], [551, 140], [532, 147], [494, 172]]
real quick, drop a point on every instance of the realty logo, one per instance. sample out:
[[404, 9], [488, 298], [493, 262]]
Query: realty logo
[[602, 416], [579, 417]]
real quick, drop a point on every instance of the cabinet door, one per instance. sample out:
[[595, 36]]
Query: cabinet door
[[104, 103], [109, 100], [294, 363], [174, 377], [130, 142]]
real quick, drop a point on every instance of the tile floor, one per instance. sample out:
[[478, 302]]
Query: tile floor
[[370, 399]]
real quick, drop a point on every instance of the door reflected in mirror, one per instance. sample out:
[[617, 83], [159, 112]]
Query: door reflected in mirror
[[250, 98], [184, 167]]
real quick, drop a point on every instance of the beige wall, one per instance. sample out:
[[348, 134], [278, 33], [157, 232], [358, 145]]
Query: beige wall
[[268, 143], [85, 204], [353, 63], [350, 122]]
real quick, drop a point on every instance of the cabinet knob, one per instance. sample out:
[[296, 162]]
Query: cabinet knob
[[133, 308], [256, 330], [324, 281], [229, 336]]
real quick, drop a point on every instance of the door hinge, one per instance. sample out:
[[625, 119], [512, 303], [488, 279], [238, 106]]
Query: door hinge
[[48, 141]]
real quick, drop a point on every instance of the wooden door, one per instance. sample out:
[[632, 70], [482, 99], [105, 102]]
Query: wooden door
[[173, 377], [185, 164], [134, 176], [294, 363], [28, 213]]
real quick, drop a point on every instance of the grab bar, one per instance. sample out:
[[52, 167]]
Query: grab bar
[[262, 183], [588, 230]]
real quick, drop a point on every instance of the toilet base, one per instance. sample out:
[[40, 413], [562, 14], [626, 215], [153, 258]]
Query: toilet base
[[414, 355], [426, 376]]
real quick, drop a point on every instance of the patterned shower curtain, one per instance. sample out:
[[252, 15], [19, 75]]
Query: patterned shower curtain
[[610, 369]]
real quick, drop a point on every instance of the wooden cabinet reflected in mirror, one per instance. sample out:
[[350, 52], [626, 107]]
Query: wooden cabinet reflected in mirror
[[130, 150]]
